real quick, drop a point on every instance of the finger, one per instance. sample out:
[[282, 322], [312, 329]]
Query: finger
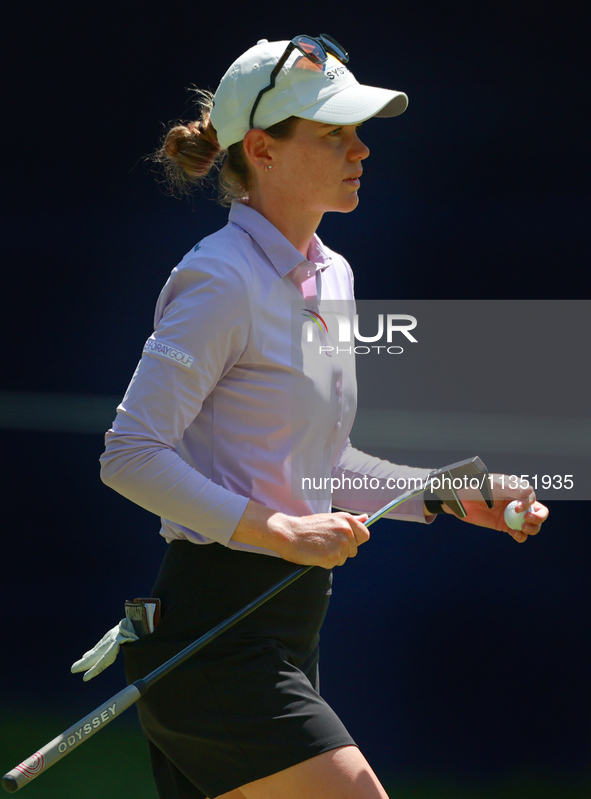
[[107, 660], [507, 488], [347, 551], [360, 531], [352, 548], [531, 528], [86, 661], [534, 518], [537, 513], [518, 535], [92, 673], [526, 501]]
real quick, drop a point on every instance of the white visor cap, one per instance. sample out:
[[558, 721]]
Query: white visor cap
[[325, 93]]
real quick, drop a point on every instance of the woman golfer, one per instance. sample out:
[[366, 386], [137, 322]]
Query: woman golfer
[[227, 413]]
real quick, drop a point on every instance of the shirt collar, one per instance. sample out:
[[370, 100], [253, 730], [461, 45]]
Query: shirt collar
[[281, 252]]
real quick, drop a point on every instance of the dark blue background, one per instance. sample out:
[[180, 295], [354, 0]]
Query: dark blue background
[[448, 650]]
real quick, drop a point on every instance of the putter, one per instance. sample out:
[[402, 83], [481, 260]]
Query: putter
[[113, 707]]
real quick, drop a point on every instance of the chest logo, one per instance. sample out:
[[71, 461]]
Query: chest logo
[[315, 317]]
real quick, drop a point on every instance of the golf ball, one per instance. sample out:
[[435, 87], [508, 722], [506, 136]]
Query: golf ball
[[513, 519]]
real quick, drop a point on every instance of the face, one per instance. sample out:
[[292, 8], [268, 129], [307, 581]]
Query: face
[[318, 168]]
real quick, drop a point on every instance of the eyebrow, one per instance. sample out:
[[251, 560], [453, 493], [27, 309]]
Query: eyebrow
[[341, 125]]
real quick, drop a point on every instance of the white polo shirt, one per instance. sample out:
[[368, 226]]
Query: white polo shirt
[[230, 403]]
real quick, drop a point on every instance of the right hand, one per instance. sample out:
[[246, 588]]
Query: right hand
[[323, 539]]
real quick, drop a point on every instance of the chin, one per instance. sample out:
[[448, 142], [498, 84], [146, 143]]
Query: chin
[[343, 205], [350, 205]]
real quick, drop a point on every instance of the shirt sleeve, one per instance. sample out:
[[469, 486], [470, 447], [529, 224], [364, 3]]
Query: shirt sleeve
[[354, 466], [202, 328]]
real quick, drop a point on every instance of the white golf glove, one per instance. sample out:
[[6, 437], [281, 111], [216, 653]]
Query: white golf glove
[[105, 652]]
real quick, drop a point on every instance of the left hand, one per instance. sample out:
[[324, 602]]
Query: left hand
[[480, 514]]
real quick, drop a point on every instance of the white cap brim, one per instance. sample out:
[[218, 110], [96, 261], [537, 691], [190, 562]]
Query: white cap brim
[[355, 104]]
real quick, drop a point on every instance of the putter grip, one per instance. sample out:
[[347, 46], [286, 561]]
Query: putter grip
[[70, 739]]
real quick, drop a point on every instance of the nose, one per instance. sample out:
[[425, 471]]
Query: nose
[[359, 150]]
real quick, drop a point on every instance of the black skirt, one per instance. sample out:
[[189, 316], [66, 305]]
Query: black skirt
[[247, 705]]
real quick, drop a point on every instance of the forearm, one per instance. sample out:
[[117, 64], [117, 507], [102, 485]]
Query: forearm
[[354, 495], [322, 539], [264, 528]]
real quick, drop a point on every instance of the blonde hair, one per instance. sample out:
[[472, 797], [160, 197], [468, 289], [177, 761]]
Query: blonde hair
[[190, 151]]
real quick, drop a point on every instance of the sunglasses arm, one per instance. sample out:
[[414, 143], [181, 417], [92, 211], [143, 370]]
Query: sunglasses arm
[[276, 70]]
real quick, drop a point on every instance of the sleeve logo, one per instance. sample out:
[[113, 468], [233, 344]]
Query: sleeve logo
[[173, 353]]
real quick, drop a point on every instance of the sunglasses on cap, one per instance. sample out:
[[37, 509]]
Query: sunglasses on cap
[[316, 48]]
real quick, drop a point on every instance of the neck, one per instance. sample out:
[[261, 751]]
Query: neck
[[298, 226]]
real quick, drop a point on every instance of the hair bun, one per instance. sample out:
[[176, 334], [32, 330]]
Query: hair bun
[[177, 138], [190, 149]]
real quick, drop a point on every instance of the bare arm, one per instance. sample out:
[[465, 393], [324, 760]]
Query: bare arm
[[322, 539]]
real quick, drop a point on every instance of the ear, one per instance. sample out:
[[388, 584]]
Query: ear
[[257, 148]]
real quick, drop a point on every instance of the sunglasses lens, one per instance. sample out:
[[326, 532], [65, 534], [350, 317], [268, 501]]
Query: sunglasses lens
[[334, 48], [312, 49]]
